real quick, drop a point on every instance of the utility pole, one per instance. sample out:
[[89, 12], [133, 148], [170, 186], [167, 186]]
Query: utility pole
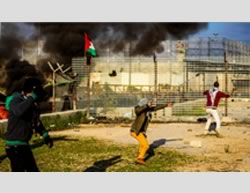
[[226, 82], [170, 66], [204, 81], [53, 86], [155, 73], [54, 70], [156, 79], [130, 67]]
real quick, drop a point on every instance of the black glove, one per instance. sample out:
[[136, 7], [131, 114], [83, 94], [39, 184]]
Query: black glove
[[47, 140]]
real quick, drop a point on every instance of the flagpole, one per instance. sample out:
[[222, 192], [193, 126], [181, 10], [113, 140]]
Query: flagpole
[[89, 52], [88, 63], [88, 97]]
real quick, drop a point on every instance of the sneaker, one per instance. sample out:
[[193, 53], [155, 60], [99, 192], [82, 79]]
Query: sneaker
[[151, 152], [217, 133], [140, 161], [206, 132]]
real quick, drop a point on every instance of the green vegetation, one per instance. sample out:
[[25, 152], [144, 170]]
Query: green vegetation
[[90, 154], [189, 111], [104, 93], [63, 122], [2, 90], [132, 89]]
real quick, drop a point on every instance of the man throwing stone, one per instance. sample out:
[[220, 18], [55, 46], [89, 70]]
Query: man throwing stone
[[213, 98]]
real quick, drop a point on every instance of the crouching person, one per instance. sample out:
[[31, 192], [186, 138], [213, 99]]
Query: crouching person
[[139, 127], [24, 117]]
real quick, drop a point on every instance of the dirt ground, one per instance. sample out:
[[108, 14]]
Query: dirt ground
[[230, 152]]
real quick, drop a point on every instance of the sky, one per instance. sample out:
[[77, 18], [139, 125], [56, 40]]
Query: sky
[[235, 31]]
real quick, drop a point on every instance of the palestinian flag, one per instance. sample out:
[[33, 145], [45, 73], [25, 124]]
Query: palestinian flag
[[89, 47]]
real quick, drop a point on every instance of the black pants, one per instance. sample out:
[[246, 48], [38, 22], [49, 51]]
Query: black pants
[[21, 158]]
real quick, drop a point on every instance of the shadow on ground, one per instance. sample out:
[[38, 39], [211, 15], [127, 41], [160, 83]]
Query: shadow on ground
[[39, 143], [101, 166], [156, 144], [209, 135], [2, 157]]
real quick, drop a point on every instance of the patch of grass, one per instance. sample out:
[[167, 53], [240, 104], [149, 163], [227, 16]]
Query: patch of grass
[[90, 154], [195, 111], [66, 122]]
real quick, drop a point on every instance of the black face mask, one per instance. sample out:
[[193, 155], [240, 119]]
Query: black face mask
[[40, 92], [34, 85]]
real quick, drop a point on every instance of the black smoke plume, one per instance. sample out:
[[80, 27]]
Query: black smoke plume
[[63, 41], [15, 71], [10, 42], [12, 66], [66, 40]]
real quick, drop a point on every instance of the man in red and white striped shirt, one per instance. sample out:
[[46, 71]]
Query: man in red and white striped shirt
[[213, 98]]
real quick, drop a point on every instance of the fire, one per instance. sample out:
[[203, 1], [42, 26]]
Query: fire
[[3, 113]]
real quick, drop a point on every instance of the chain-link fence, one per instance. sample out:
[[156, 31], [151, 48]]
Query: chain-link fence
[[117, 82]]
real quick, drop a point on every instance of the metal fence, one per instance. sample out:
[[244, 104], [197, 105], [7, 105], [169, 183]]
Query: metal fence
[[118, 82]]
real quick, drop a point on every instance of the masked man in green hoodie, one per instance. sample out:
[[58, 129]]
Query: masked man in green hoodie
[[24, 118]]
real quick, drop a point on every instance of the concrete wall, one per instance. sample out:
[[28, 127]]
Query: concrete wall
[[63, 115], [142, 71]]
